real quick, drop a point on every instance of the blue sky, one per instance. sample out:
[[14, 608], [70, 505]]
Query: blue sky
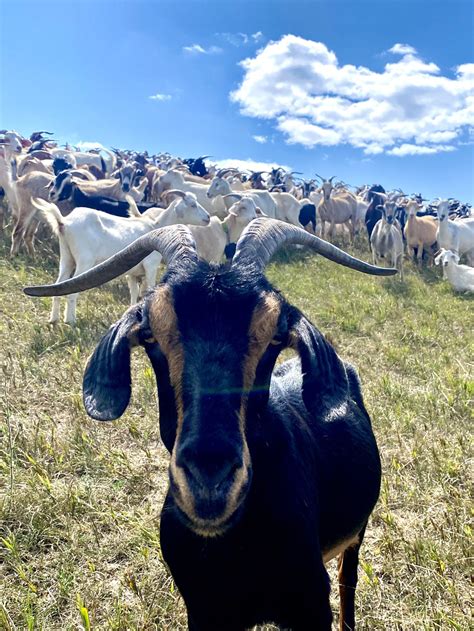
[[321, 91]]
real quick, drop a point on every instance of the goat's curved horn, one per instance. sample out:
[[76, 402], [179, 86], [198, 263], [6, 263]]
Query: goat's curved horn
[[331, 178], [175, 244], [173, 191], [320, 177], [237, 196], [263, 237], [223, 172]]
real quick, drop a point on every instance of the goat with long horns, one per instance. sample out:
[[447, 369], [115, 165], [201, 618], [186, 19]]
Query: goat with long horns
[[273, 471]]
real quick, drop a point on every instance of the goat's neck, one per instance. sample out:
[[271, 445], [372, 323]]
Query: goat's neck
[[231, 228], [168, 217]]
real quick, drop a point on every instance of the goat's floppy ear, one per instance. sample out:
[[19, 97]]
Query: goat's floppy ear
[[324, 374], [107, 383]]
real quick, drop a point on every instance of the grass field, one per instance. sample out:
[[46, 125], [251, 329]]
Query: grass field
[[80, 500]]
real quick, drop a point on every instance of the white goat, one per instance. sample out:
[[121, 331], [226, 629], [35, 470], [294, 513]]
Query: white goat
[[88, 237], [287, 207], [212, 240], [174, 179], [80, 158], [457, 236], [461, 277], [263, 199]]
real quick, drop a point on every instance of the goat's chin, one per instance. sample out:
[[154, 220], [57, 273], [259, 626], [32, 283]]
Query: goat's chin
[[211, 528]]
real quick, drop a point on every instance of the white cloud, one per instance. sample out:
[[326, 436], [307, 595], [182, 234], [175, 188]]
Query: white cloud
[[85, 145], [413, 150], [160, 97], [313, 100], [197, 49], [261, 139], [402, 49], [241, 39], [248, 164]]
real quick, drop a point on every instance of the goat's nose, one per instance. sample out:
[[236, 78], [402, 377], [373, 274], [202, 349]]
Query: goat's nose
[[212, 478], [208, 473]]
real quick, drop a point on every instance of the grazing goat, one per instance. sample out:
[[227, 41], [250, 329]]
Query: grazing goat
[[461, 277], [420, 232], [87, 237], [386, 240], [457, 236], [273, 471]]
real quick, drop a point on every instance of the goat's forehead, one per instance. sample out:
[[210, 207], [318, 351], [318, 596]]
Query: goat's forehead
[[217, 300]]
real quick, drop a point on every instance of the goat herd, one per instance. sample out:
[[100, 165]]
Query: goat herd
[[274, 470], [140, 193]]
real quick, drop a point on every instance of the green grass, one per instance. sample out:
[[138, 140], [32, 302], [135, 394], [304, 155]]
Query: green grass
[[80, 500]]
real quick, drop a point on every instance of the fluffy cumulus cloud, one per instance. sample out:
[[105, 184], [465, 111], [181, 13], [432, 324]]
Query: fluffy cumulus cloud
[[160, 97], [260, 139], [409, 108]]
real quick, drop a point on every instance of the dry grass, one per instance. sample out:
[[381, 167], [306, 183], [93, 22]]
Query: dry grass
[[80, 500]]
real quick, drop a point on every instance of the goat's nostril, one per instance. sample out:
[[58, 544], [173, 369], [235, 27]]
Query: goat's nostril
[[210, 479]]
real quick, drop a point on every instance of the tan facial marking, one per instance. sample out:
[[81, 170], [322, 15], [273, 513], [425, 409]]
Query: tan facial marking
[[261, 331], [164, 326]]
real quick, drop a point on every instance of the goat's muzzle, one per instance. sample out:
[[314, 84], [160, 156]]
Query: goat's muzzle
[[209, 488]]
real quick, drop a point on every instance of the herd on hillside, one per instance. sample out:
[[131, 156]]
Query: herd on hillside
[[100, 201]]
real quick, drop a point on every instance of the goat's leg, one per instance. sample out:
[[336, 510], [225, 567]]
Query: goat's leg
[[17, 236], [29, 236], [66, 269], [399, 263], [134, 288], [352, 229], [420, 254], [150, 274], [347, 564], [71, 300]]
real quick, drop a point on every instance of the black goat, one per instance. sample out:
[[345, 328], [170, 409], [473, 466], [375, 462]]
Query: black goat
[[197, 166], [374, 213], [308, 216], [273, 471], [67, 189]]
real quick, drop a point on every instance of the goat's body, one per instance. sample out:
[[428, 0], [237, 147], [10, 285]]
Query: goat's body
[[334, 452], [341, 208], [457, 236], [88, 237], [386, 242], [461, 277], [420, 233]]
